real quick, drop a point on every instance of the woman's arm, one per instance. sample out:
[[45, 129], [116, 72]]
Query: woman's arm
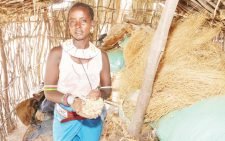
[[52, 76], [105, 78]]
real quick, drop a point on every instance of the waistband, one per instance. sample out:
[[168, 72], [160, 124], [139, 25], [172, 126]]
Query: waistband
[[67, 115]]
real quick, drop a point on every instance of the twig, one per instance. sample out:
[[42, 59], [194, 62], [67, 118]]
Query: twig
[[216, 8], [111, 103]]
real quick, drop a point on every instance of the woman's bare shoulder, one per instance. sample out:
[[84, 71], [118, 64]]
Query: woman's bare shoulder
[[56, 50], [55, 53]]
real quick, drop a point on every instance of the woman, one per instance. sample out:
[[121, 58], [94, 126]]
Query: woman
[[75, 70]]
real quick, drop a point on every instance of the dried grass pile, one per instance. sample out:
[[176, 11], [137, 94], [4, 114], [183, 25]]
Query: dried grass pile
[[115, 130], [135, 55], [192, 68]]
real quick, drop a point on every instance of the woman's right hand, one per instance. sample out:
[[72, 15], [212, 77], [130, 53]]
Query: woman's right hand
[[77, 105]]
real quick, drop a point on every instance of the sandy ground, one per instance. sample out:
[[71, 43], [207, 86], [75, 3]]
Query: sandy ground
[[17, 134]]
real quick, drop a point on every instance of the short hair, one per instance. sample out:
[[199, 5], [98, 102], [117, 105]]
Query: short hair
[[84, 5]]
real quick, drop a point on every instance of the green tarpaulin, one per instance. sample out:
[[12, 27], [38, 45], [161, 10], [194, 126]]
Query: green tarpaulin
[[203, 121], [116, 59]]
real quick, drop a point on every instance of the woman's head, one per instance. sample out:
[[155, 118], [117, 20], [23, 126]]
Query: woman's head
[[80, 21], [85, 6]]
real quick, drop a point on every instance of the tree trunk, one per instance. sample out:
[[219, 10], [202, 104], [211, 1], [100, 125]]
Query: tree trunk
[[155, 53], [9, 123]]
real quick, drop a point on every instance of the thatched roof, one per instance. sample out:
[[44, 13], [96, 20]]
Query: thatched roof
[[215, 7], [210, 5], [12, 8]]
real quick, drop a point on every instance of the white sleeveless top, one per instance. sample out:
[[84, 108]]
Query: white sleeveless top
[[72, 76]]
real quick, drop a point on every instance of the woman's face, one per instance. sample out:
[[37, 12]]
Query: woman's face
[[80, 23]]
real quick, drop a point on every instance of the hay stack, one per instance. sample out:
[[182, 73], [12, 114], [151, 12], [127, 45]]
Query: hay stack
[[115, 130], [135, 55], [191, 69]]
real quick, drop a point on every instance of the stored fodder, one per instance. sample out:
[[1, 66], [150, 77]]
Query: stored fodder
[[135, 55], [138, 45], [182, 88], [192, 68], [115, 130], [192, 40]]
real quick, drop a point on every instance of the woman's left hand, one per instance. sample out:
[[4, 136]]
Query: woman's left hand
[[94, 94]]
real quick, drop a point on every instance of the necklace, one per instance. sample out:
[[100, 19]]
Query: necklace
[[87, 53], [85, 73]]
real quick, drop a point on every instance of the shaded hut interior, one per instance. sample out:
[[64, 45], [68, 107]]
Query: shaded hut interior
[[30, 28]]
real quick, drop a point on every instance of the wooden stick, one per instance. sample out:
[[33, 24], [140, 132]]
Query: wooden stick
[[155, 53], [205, 5], [111, 103], [217, 6]]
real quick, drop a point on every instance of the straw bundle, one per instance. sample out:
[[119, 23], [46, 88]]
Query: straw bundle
[[115, 130], [91, 108], [192, 68], [135, 54]]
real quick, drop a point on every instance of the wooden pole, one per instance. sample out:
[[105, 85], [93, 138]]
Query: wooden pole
[[155, 53]]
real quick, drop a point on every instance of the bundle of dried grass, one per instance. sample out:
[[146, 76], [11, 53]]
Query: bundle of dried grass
[[115, 129], [192, 68], [135, 54]]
